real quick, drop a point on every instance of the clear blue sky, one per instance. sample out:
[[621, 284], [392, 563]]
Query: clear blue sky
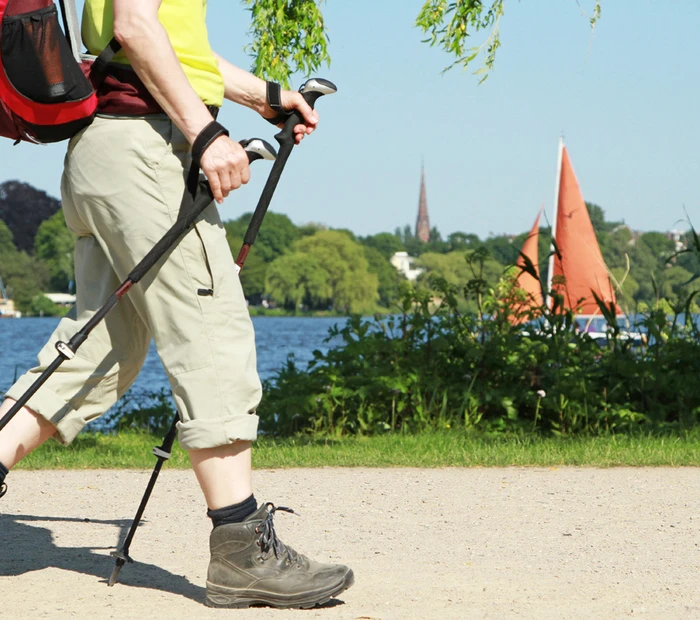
[[626, 100]]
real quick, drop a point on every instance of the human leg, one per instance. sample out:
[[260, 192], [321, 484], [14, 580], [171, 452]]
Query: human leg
[[249, 564], [191, 301], [25, 432], [193, 304], [86, 386], [224, 473]]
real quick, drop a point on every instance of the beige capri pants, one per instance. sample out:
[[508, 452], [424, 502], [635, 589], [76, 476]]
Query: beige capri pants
[[121, 189]]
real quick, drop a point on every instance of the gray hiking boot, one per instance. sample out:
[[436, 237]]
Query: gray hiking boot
[[251, 566]]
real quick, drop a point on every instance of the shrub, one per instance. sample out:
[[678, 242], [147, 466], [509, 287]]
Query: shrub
[[497, 369]]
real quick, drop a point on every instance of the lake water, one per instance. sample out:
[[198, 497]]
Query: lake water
[[276, 337]]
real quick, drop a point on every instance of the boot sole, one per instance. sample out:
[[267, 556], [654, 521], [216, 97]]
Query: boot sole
[[234, 598]]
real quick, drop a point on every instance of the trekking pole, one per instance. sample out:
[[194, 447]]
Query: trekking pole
[[311, 90], [201, 198]]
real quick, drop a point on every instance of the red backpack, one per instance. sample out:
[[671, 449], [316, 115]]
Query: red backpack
[[45, 95]]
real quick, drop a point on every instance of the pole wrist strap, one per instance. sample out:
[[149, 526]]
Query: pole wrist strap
[[201, 143], [274, 100], [204, 139]]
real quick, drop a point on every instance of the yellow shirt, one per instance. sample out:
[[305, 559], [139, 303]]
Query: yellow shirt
[[185, 23]]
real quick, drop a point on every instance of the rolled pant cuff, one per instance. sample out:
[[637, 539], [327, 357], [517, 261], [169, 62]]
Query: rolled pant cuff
[[51, 407], [202, 434]]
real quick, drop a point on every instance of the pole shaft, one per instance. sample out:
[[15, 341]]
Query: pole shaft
[[22, 400], [164, 449]]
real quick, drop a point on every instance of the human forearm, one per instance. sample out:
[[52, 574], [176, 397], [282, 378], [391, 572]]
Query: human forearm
[[147, 46], [243, 87]]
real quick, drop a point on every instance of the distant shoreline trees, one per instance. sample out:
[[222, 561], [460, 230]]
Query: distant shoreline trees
[[310, 268]]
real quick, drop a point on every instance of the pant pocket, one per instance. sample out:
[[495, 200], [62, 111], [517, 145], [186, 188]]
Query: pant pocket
[[199, 266]]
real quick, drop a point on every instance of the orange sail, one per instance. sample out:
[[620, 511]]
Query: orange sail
[[579, 269], [525, 280]]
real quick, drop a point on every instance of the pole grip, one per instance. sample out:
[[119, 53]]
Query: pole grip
[[311, 90]]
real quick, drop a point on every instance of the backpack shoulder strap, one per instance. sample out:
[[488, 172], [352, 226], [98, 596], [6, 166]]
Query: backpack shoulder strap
[[98, 72], [71, 24]]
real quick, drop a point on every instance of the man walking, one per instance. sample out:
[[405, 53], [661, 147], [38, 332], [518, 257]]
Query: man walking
[[121, 189]]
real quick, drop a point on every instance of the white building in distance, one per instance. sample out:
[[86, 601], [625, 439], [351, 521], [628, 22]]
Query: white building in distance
[[404, 264]]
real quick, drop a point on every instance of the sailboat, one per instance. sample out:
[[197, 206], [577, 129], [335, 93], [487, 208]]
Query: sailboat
[[526, 280], [577, 271], [576, 266]]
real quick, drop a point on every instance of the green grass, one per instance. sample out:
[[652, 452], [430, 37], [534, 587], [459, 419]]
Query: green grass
[[443, 449]]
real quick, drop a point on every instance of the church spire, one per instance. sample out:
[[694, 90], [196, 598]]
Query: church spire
[[423, 221]]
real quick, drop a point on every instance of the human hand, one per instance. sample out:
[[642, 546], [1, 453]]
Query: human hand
[[225, 163], [292, 100]]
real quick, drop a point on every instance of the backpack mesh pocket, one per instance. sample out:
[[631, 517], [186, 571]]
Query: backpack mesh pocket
[[38, 61]]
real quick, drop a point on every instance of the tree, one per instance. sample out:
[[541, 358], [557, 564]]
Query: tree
[[54, 244], [349, 285], [275, 238], [354, 287], [311, 228], [455, 268], [7, 244], [25, 279], [659, 244], [675, 281], [450, 23], [415, 247], [388, 277], [385, 243], [597, 215], [295, 280], [23, 208], [503, 249], [690, 259], [255, 270], [346, 231], [463, 241], [289, 35]]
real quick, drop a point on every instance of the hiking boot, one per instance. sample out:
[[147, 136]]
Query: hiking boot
[[251, 566]]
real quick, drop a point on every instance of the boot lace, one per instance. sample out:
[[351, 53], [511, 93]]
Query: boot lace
[[3, 489], [269, 541]]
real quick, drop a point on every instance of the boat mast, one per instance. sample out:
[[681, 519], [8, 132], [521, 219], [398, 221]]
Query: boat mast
[[550, 271]]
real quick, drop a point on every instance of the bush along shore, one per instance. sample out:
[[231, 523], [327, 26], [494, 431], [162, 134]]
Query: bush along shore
[[501, 369]]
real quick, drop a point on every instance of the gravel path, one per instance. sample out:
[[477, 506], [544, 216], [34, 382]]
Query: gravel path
[[452, 543]]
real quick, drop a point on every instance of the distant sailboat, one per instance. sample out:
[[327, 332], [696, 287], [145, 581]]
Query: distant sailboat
[[526, 281], [576, 268]]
